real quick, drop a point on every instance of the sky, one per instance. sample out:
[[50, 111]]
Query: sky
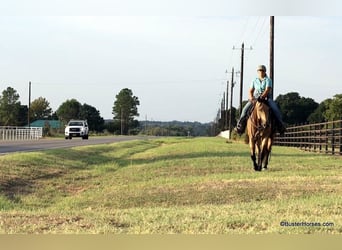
[[174, 64]]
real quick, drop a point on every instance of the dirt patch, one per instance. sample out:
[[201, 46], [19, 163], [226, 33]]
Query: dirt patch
[[16, 223], [225, 192], [15, 186], [115, 223]]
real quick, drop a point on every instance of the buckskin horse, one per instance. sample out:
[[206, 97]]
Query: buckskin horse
[[260, 131]]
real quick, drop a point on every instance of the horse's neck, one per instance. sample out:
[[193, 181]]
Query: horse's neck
[[254, 114], [262, 113]]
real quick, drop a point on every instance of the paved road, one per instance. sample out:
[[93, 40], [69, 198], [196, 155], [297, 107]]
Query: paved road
[[43, 144]]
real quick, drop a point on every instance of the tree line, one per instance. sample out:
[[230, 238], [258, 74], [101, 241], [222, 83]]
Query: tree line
[[294, 108], [175, 128], [298, 110], [125, 111], [13, 113]]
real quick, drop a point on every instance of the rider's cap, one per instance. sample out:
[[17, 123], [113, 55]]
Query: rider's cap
[[261, 68]]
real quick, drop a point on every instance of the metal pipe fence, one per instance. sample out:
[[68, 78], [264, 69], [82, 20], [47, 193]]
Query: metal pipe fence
[[10, 133], [323, 137]]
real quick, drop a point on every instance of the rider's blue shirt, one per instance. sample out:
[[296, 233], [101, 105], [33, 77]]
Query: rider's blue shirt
[[260, 86]]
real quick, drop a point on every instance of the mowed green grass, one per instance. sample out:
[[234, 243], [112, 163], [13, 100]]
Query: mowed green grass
[[169, 185]]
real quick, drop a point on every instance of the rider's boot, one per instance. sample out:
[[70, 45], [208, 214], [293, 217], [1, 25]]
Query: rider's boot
[[241, 126]]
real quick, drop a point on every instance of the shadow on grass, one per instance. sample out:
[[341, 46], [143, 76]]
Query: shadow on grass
[[93, 156], [13, 187], [89, 157], [189, 156], [60, 163]]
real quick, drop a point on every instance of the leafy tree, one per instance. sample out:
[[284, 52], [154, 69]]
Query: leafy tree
[[334, 110], [294, 108], [92, 115], [9, 107], [40, 109], [125, 109], [318, 115], [22, 115], [112, 127], [70, 109], [54, 116]]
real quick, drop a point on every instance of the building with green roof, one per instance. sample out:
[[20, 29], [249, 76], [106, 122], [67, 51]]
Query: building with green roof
[[54, 124]]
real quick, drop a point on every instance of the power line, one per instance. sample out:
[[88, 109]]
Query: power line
[[145, 83], [261, 30], [241, 74], [256, 25], [241, 38], [272, 51], [250, 30]]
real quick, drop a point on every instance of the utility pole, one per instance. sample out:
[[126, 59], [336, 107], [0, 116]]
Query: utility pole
[[231, 103], [226, 106], [272, 52], [223, 104], [229, 126], [29, 106], [226, 113], [241, 76]]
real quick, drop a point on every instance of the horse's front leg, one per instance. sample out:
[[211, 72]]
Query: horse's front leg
[[267, 153], [253, 157]]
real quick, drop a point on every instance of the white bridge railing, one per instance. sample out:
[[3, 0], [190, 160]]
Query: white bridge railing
[[20, 133]]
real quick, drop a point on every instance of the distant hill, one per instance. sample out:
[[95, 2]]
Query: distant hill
[[169, 128], [175, 128]]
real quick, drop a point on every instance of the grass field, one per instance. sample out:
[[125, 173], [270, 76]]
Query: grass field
[[169, 185]]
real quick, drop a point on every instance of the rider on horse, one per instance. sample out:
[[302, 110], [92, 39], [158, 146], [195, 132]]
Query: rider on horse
[[260, 88]]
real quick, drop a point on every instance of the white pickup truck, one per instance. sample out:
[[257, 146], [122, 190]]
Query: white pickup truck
[[77, 128]]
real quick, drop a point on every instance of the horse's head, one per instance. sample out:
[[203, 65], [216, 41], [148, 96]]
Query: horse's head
[[262, 113]]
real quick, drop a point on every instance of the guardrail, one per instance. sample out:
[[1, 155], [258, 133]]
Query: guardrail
[[20, 133], [323, 137]]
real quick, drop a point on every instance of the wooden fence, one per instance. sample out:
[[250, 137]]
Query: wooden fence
[[318, 137]]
